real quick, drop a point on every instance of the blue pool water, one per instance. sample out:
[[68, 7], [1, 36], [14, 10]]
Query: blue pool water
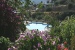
[[39, 26], [38, 1]]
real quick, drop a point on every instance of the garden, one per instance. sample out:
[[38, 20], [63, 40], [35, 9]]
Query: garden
[[15, 36]]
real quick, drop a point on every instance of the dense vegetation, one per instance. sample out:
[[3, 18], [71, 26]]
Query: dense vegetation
[[12, 16], [10, 22]]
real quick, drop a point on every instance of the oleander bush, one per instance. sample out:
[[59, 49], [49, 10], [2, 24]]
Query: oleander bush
[[10, 22], [36, 41]]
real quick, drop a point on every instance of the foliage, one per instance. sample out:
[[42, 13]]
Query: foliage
[[51, 20], [67, 29], [73, 43], [48, 9], [73, 1], [62, 2], [30, 43], [54, 0], [70, 6], [56, 3], [10, 22], [62, 16], [37, 15], [40, 5], [4, 43], [20, 6], [37, 40]]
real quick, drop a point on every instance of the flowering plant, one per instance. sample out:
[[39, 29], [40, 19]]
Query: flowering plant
[[36, 40]]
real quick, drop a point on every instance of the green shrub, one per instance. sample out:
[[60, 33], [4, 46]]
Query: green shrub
[[67, 29], [62, 2], [48, 9], [63, 15], [73, 43], [70, 6], [4, 43], [37, 15]]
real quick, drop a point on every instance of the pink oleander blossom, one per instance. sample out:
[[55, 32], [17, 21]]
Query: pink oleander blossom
[[34, 46], [19, 22], [39, 44], [53, 43], [48, 48], [10, 48]]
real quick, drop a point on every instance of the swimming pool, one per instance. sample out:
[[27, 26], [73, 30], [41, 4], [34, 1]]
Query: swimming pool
[[37, 25]]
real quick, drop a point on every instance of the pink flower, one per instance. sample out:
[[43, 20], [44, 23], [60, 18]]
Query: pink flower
[[17, 16], [62, 46], [39, 44], [19, 22], [48, 48], [33, 31], [10, 48], [34, 46], [53, 42]]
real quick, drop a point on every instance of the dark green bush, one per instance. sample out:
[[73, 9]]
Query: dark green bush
[[38, 15], [48, 9], [62, 2], [4, 43], [63, 15], [70, 6], [56, 3]]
